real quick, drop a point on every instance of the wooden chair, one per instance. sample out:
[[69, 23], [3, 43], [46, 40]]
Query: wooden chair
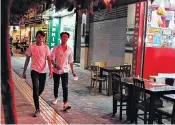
[[100, 64], [95, 79], [118, 95], [140, 99], [141, 102], [166, 112], [125, 70], [105, 75]]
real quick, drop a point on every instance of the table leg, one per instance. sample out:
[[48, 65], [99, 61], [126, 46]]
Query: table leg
[[109, 84], [151, 108], [130, 105], [100, 83], [173, 115]]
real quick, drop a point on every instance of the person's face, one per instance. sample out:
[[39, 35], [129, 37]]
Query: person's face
[[64, 38], [40, 38]]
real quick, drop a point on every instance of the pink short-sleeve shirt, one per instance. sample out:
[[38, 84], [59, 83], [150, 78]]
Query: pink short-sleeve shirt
[[39, 55], [61, 58]]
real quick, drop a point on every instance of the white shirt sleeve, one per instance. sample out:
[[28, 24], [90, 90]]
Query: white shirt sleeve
[[70, 59], [48, 53]]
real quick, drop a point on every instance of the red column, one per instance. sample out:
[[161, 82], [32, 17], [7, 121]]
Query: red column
[[138, 38], [7, 85]]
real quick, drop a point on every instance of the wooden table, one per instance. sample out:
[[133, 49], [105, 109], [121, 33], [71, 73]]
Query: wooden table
[[154, 90], [109, 70]]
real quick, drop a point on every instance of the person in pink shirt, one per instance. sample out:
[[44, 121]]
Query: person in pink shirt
[[39, 52], [62, 57]]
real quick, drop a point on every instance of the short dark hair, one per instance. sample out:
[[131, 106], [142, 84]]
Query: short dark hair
[[40, 32], [61, 34]]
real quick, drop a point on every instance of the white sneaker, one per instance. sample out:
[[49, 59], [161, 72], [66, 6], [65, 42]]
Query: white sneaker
[[55, 101]]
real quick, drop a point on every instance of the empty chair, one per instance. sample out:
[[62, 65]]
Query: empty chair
[[140, 99], [100, 64], [95, 79], [166, 112], [118, 95], [125, 70]]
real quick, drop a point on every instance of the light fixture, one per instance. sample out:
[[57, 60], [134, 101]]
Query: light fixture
[[16, 27], [46, 22]]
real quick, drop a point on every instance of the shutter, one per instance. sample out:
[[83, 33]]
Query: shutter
[[108, 36]]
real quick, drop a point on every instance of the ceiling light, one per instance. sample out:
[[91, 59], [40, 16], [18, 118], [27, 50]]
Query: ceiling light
[[46, 22]]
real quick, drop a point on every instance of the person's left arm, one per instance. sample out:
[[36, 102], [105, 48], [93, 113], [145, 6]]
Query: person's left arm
[[49, 61], [71, 62]]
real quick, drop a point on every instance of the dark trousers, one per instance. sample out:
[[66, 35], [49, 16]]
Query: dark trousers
[[38, 81], [64, 79]]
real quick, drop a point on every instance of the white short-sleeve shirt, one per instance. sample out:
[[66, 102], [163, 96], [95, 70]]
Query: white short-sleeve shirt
[[62, 58], [39, 55]]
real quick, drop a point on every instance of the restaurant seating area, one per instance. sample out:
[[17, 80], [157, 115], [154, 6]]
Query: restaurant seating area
[[98, 109], [135, 96], [20, 47]]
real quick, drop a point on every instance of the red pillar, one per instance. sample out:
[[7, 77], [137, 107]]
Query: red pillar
[[7, 85], [138, 38]]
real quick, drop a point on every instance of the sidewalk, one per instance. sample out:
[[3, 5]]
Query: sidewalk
[[86, 109], [25, 107]]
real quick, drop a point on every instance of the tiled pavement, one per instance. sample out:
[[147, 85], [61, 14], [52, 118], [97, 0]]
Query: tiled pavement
[[86, 109], [25, 106], [24, 111]]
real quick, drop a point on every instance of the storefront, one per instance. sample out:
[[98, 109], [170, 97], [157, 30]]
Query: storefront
[[154, 43], [21, 33], [160, 39], [68, 25], [62, 21]]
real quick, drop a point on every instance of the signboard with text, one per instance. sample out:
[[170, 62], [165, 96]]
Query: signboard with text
[[54, 32], [138, 38]]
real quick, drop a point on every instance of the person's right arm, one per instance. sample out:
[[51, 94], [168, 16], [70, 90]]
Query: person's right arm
[[26, 65], [53, 59], [28, 55]]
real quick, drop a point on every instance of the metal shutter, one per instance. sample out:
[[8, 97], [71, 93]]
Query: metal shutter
[[108, 36]]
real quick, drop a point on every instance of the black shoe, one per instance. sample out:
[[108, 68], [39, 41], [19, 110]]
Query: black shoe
[[37, 112], [66, 108]]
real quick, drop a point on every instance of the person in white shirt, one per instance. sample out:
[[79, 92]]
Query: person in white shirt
[[61, 57], [39, 52]]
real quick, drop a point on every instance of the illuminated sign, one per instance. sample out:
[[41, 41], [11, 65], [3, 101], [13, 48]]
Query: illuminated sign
[[54, 32]]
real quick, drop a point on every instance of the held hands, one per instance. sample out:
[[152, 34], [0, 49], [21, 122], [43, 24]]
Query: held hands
[[58, 67], [50, 74]]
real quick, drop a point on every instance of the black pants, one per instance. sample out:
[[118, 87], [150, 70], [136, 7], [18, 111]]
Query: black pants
[[64, 79], [38, 81]]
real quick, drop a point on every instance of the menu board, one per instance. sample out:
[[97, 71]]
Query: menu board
[[160, 28]]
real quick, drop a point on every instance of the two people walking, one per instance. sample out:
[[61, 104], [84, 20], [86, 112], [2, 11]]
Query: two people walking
[[60, 58]]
